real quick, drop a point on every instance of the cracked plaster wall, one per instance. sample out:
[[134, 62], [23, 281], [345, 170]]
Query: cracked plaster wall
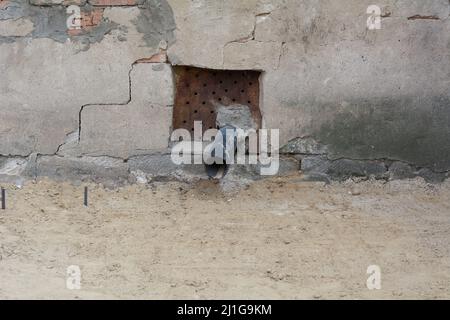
[[357, 94]]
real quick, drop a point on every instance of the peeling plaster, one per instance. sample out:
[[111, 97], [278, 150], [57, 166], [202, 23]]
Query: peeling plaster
[[51, 22], [155, 22]]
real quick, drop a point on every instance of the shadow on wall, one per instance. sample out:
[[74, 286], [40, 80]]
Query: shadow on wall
[[414, 130]]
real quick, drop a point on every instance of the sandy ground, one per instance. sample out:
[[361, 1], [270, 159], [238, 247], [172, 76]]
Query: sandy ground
[[277, 239]]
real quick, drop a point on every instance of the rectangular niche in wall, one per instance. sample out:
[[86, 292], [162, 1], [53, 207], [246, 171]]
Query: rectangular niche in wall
[[199, 90]]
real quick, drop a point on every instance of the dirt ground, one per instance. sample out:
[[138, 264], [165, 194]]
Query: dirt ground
[[277, 239]]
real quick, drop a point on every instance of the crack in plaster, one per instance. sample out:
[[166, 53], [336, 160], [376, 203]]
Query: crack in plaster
[[107, 104]]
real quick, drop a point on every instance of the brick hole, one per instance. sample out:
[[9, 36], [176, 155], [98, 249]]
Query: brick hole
[[205, 87]]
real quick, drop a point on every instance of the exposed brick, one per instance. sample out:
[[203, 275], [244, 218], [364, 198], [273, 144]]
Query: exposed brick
[[114, 2], [156, 58], [56, 2], [3, 3], [89, 20]]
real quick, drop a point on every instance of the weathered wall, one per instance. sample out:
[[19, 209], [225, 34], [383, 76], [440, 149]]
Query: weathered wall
[[335, 89]]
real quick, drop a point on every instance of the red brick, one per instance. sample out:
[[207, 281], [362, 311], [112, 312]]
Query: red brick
[[156, 58], [3, 3], [113, 2], [89, 20]]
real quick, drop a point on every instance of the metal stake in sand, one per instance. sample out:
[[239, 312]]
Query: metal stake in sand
[[85, 196], [3, 199]]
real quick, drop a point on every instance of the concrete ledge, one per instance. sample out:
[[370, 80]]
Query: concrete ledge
[[159, 167]]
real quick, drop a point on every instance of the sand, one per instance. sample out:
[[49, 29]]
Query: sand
[[280, 238]]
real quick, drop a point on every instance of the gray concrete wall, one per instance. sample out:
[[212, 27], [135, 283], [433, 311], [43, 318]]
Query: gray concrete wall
[[337, 90]]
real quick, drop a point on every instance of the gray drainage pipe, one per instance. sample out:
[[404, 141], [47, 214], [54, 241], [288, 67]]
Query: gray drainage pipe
[[219, 153]]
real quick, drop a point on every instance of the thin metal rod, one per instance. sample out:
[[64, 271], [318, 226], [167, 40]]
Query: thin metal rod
[[3, 199], [85, 196]]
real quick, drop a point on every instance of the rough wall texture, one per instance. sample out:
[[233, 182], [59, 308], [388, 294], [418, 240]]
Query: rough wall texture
[[337, 90]]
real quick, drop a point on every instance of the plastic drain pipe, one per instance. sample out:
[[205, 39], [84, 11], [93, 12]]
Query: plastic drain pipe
[[218, 154]]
